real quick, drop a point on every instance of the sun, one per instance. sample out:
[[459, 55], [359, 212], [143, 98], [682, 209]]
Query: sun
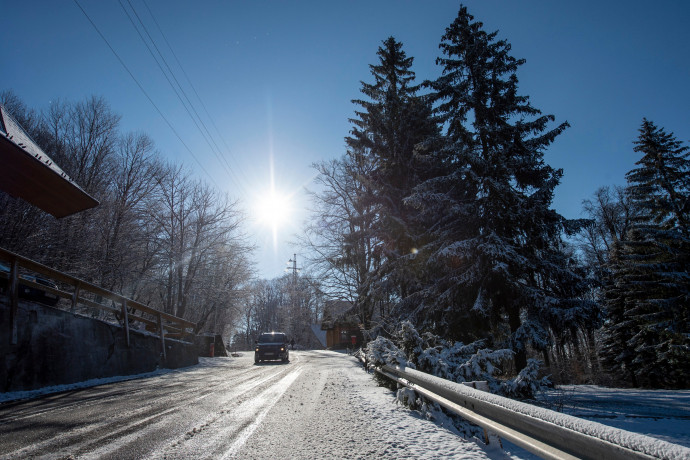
[[273, 209]]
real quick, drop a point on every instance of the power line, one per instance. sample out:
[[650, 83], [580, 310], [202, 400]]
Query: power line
[[145, 93], [186, 105], [160, 30], [219, 154]]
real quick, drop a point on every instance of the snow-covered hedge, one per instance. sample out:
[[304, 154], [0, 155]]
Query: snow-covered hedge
[[453, 361]]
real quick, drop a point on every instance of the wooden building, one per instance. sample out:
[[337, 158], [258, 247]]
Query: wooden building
[[342, 326]]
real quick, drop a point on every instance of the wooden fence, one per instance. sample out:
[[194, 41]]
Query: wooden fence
[[77, 291]]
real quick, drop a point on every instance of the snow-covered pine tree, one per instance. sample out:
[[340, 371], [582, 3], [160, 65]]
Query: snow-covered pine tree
[[389, 123], [496, 265], [655, 262], [616, 357]]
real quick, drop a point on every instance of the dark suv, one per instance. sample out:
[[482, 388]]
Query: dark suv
[[271, 345]]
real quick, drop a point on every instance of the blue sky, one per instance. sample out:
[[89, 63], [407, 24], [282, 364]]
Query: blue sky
[[277, 78]]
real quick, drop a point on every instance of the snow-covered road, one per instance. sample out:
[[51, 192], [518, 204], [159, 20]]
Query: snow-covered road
[[320, 405]]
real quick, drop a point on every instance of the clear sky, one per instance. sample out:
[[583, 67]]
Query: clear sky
[[277, 79]]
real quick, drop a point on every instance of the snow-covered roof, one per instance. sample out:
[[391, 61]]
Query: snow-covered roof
[[30, 174], [337, 311], [320, 334]]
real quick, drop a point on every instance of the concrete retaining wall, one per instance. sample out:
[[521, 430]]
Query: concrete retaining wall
[[57, 347]]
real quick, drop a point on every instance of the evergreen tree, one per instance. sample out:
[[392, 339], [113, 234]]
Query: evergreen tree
[[390, 123], [610, 214], [655, 323], [496, 262], [617, 358]]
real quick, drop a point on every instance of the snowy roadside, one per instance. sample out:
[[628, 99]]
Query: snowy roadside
[[31, 394], [662, 414], [421, 438]]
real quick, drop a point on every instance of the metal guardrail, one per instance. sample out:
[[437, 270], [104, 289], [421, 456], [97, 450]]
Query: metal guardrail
[[546, 433], [164, 324]]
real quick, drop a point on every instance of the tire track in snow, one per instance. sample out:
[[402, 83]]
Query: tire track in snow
[[234, 425], [270, 398], [111, 448]]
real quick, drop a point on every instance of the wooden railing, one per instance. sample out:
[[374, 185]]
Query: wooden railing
[[77, 291]]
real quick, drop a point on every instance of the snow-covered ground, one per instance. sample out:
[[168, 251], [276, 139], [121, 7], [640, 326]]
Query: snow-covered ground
[[663, 414], [335, 410], [321, 405]]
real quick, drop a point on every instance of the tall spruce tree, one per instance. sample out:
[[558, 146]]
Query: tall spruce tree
[[648, 332], [616, 356], [389, 124], [496, 263]]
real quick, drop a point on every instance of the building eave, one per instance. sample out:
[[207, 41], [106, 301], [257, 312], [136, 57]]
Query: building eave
[[26, 172]]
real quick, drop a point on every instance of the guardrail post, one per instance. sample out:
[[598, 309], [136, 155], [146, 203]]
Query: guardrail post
[[14, 299], [162, 335], [126, 319], [75, 297]]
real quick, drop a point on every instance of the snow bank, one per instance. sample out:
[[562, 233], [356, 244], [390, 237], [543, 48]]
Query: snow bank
[[641, 443]]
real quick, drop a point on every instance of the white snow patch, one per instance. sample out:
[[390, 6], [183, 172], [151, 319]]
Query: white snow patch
[[663, 414], [30, 394]]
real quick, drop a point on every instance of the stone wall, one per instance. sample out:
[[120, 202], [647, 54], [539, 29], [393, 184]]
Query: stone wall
[[57, 347]]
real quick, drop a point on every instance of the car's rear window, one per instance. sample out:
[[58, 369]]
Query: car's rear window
[[272, 338]]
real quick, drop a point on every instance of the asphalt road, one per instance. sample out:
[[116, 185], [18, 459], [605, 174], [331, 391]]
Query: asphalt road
[[223, 408], [207, 410]]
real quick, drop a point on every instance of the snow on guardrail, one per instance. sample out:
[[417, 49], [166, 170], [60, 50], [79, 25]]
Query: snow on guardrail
[[544, 432]]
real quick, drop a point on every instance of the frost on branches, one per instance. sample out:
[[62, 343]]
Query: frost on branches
[[453, 361]]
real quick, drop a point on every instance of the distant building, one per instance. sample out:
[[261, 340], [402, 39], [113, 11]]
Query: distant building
[[342, 325]]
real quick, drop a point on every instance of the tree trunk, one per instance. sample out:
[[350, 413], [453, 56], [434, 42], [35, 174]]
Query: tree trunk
[[520, 357]]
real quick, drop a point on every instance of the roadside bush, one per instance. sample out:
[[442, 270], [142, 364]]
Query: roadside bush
[[453, 361]]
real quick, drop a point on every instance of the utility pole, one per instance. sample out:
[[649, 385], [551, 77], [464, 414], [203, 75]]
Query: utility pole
[[293, 293], [294, 268]]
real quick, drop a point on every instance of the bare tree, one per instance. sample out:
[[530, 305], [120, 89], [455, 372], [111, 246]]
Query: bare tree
[[341, 249], [610, 213], [120, 216], [91, 140], [159, 235]]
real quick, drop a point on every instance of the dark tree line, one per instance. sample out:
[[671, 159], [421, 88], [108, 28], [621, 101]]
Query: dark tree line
[[439, 213], [159, 236]]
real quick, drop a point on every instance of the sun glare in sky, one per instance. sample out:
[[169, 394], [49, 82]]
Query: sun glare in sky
[[273, 209]]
